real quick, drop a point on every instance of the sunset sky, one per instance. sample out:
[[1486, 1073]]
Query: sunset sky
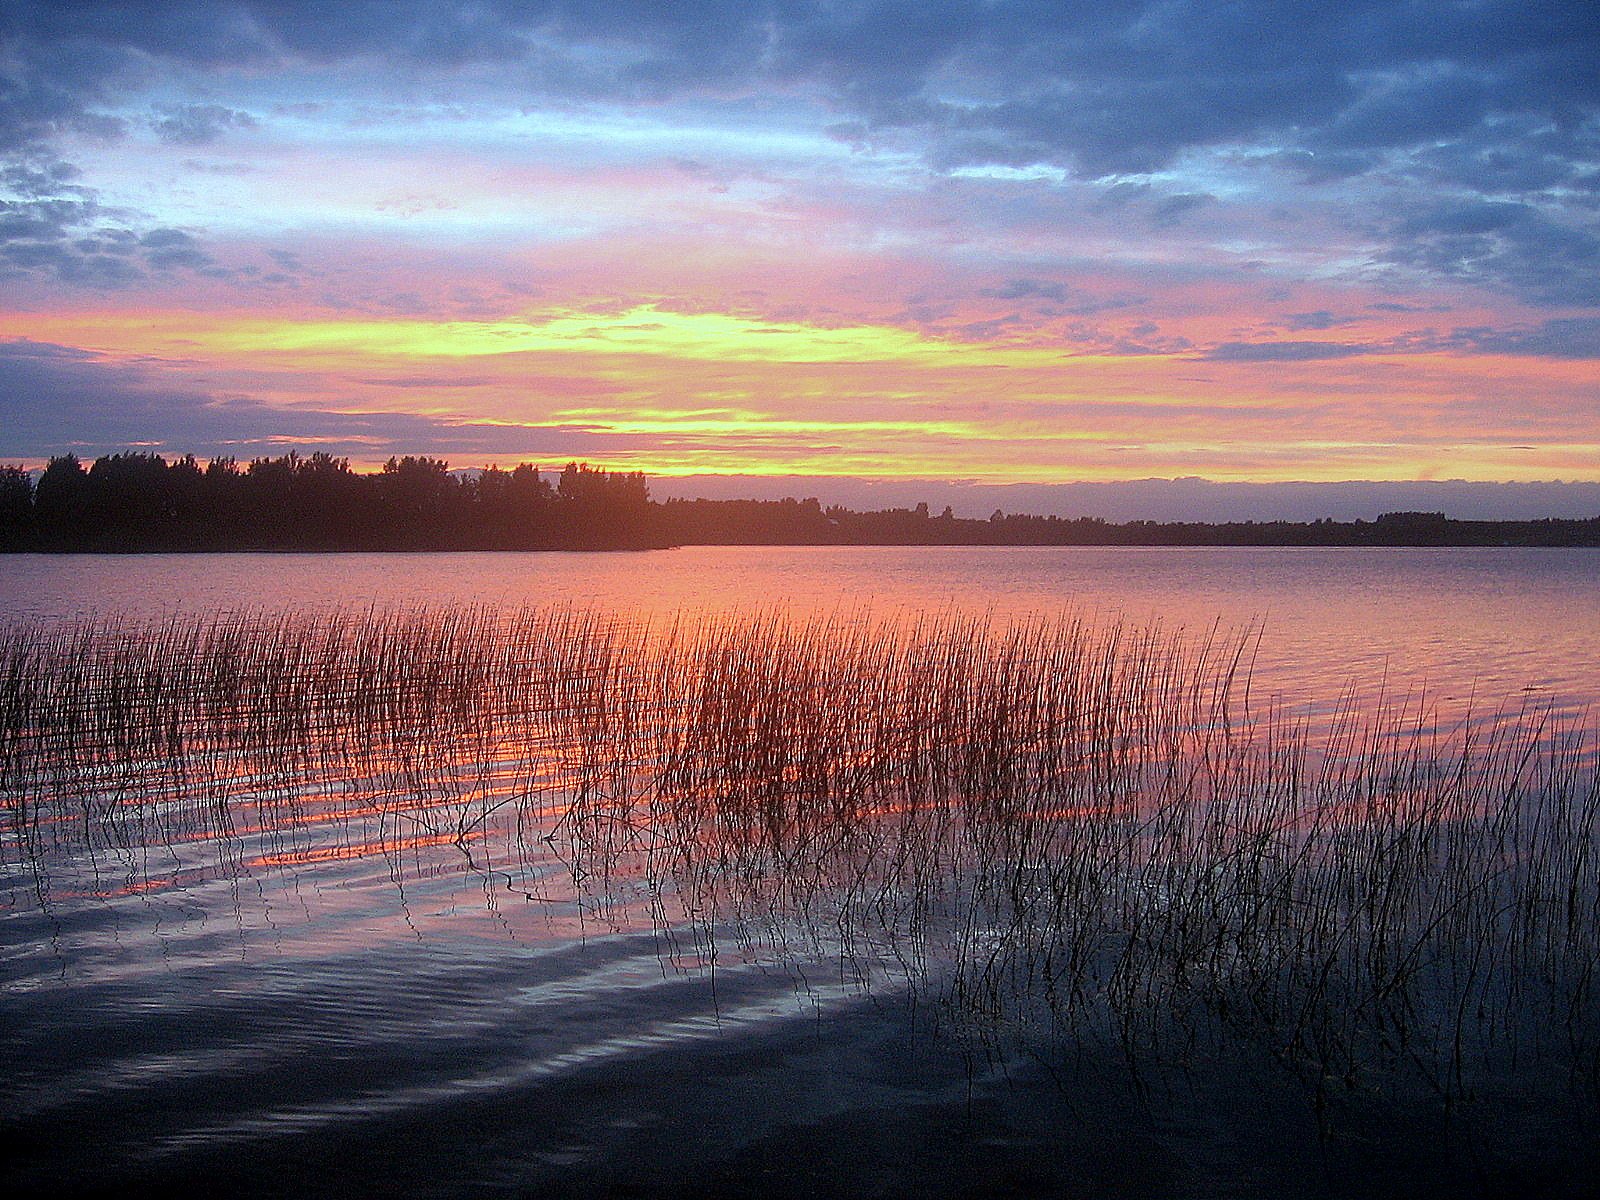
[[1030, 243]]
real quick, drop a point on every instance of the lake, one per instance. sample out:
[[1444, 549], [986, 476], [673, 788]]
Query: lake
[[756, 871], [1498, 620]]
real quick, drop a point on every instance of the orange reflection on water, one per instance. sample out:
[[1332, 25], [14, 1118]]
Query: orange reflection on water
[[140, 886], [340, 853]]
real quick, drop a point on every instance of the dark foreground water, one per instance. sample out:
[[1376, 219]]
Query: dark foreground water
[[328, 1033], [501, 950]]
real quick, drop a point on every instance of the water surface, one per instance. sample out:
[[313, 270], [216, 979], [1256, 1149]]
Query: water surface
[[375, 961], [1460, 622]]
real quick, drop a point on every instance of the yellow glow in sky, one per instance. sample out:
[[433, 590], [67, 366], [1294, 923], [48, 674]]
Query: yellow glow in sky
[[645, 330], [672, 392]]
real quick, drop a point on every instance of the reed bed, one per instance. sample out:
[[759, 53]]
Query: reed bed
[[1056, 825]]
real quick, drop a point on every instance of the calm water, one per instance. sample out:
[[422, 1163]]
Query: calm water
[[342, 986], [1457, 622]]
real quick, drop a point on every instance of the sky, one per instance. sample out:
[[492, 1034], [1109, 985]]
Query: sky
[[952, 248]]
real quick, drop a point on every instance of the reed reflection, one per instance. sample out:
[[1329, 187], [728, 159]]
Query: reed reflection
[[1046, 830]]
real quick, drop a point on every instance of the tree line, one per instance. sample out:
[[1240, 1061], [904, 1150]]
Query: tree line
[[137, 501], [140, 501], [797, 522]]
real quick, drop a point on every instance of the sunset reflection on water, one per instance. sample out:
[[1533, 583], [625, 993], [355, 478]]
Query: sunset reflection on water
[[1461, 623], [347, 866]]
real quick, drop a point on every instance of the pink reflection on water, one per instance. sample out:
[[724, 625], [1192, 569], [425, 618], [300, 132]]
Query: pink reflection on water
[[1482, 622], [503, 831]]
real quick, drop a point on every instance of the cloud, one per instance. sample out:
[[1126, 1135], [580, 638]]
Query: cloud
[[198, 124], [46, 222], [1171, 210], [1119, 86], [1143, 338], [1422, 105], [49, 225], [1059, 299], [1246, 352], [1320, 319], [58, 399], [1562, 338], [1021, 289], [1508, 245], [53, 226], [1577, 338], [1492, 103], [166, 249]]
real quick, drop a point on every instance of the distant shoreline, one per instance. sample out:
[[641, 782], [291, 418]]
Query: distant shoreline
[[888, 528], [136, 502]]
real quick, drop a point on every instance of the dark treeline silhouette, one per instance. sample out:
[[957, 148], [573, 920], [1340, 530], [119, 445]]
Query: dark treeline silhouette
[[140, 501], [137, 501], [794, 522]]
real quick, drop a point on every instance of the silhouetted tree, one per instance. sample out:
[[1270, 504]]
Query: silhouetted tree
[[16, 505], [137, 494], [419, 497], [61, 500], [326, 505], [603, 507], [136, 500]]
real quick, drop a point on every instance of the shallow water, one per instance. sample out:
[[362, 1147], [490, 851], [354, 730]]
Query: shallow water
[[285, 976], [1460, 622]]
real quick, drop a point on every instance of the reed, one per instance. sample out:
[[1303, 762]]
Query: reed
[[1052, 822]]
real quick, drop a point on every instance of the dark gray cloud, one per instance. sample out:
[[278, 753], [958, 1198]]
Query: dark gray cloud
[[1116, 86], [1496, 100], [56, 399], [1019, 289], [1507, 244], [1142, 339], [166, 249], [1320, 319], [1170, 212], [1516, 155], [1279, 352], [46, 224], [1051, 298], [51, 225], [1575, 337], [1564, 337], [1426, 107], [199, 124]]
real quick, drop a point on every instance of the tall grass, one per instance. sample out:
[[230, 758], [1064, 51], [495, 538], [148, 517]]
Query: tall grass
[[1064, 821]]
